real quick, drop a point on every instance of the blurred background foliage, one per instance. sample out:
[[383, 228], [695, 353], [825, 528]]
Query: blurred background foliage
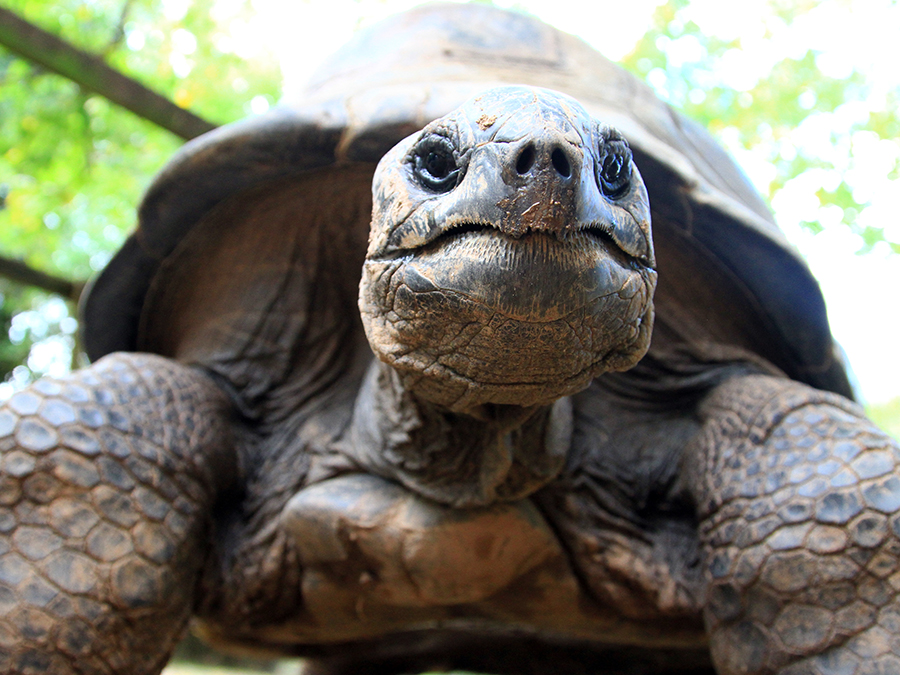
[[810, 113], [73, 165], [804, 93]]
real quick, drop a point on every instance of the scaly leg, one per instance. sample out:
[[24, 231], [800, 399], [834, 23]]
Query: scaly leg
[[106, 487], [798, 496]]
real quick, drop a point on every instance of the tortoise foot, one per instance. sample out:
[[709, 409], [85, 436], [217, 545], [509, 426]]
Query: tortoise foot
[[396, 548]]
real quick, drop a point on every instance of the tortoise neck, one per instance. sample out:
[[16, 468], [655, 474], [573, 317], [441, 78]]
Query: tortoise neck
[[491, 454]]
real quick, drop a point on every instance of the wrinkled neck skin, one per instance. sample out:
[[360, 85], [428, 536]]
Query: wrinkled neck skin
[[490, 454]]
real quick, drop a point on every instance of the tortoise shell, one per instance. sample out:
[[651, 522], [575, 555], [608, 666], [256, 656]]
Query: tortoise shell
[[250, 242]]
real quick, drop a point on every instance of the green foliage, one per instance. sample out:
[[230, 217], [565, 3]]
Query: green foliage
[[802, 116], [11, 353], [72, 165], [887, 416]]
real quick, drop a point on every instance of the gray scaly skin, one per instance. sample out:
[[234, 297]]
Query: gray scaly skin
[[493, 471], [799, 498], [107, 485]]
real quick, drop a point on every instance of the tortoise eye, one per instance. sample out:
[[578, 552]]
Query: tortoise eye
[[434, 164], [614, 168]]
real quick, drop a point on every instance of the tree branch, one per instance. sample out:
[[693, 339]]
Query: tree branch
[[92, 73], [16, 270]]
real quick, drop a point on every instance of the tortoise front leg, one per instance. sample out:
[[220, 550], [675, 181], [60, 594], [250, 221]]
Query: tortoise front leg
[[106, 490], [799, 496]]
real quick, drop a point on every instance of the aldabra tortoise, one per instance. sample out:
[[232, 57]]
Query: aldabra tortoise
[[495, 468]]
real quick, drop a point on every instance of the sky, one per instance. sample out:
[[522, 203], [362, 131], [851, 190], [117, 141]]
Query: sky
[[860, 290]]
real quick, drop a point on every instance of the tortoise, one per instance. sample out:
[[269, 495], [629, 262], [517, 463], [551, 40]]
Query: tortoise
[[451, 442]]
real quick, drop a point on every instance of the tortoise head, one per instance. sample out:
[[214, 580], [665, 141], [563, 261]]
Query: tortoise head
[[510, 259]]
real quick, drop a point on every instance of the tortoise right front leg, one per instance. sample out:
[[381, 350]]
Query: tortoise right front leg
[[107, 484], [799, 498]]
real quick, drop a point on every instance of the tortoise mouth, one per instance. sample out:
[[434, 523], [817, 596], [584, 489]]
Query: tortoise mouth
[[574, 234], [536, 277]]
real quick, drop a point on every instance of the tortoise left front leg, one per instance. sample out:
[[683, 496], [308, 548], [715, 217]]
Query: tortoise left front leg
[[107, 484], [798, 496]]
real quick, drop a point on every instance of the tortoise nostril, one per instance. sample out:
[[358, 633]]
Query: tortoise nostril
[[525, 160], [561, 163]]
